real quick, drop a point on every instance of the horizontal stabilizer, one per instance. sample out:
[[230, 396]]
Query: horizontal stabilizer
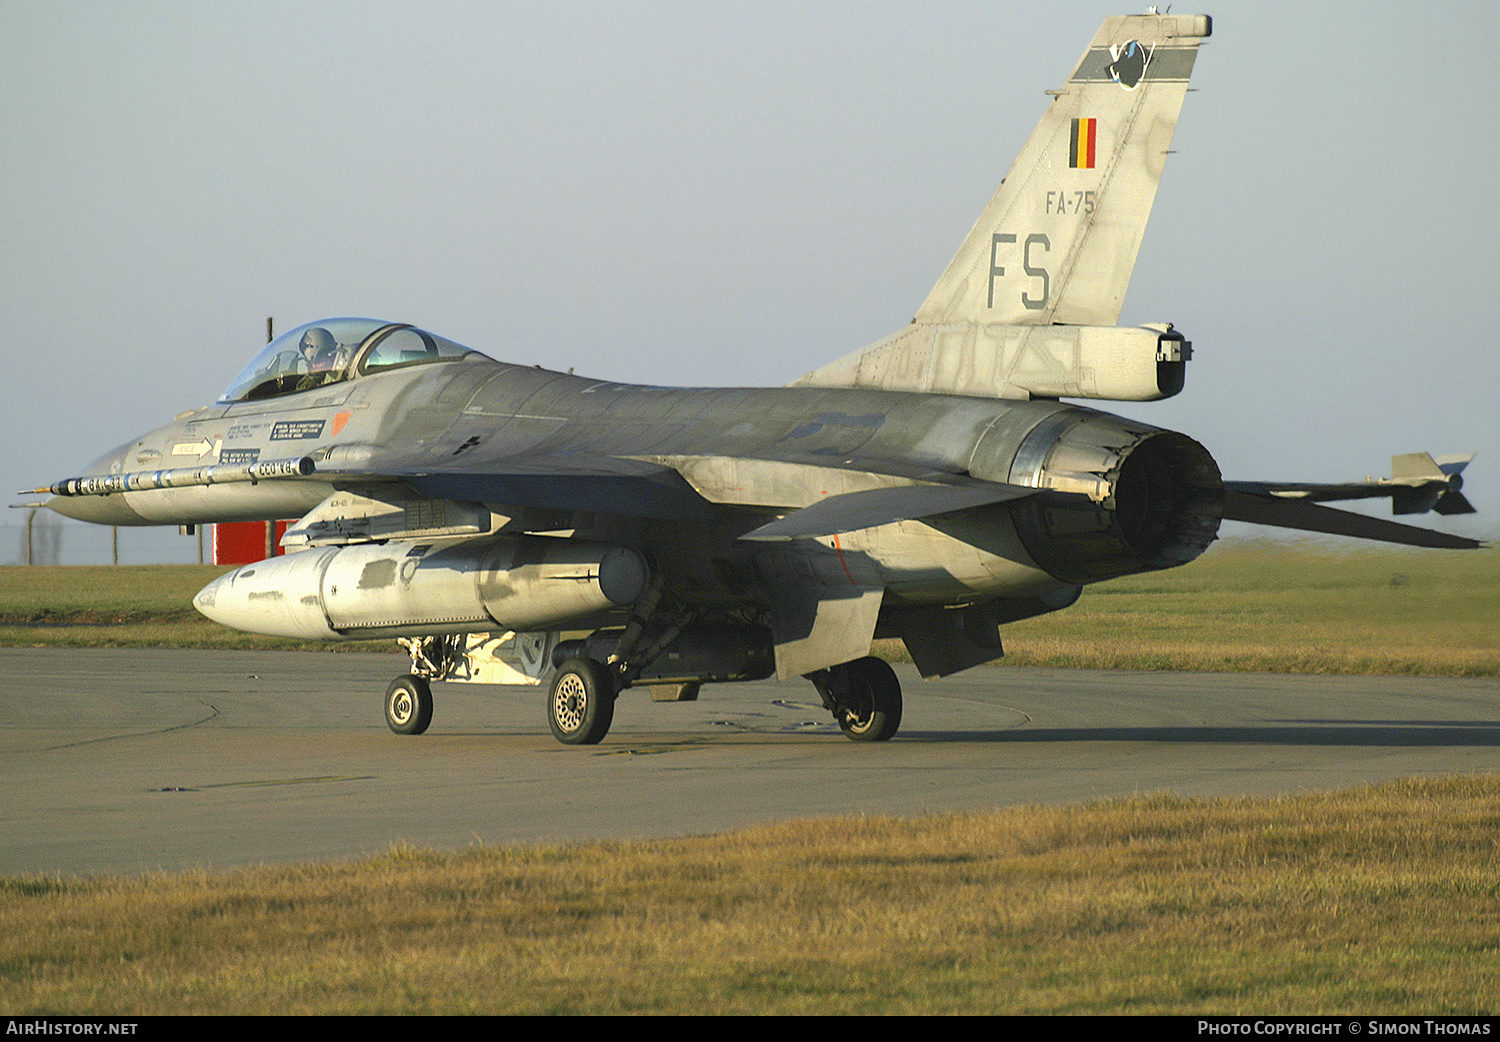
[[1310, 517], [882, 506]]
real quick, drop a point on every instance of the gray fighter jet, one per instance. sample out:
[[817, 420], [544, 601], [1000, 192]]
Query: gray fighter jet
[[512, 523]]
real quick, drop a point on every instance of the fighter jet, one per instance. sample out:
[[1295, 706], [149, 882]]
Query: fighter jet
[[508, 522]]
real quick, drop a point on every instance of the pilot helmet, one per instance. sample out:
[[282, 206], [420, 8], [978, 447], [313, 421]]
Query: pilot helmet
[[317, 340]]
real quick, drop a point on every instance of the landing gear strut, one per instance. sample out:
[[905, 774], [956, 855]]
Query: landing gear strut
[[864, 697]]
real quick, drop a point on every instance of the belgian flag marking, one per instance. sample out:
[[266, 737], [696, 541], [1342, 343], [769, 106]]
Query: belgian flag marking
[[1081, 149]]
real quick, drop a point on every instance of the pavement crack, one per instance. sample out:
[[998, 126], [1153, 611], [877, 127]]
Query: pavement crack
[[213, 711]]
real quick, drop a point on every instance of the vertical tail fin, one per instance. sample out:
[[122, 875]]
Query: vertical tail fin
[[1028, 306], [1059, 238]]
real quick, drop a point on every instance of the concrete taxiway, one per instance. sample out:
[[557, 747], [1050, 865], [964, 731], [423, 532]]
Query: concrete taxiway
[[125, 760]]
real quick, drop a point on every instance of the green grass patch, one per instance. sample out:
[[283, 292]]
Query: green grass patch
[[1241, 607], [126, 606], [1281, 609], [1381, 900]]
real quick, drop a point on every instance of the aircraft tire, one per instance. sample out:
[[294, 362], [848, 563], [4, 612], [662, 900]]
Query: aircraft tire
[[874, 711], [580, 702], [408, 704]]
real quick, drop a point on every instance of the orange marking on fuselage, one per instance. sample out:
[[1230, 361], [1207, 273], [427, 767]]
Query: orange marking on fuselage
[[839, 549]]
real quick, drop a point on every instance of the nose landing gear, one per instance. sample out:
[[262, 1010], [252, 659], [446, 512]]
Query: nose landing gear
[[408, 704]]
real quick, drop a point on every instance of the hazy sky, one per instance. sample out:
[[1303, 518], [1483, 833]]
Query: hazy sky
[[733, 193]]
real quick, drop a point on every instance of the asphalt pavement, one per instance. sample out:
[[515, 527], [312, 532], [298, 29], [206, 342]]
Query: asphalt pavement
[[138, 760]]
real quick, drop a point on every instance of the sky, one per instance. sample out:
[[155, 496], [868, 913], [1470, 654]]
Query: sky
[[733, 193]]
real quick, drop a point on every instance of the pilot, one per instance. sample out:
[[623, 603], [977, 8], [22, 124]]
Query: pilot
[[320, 357]]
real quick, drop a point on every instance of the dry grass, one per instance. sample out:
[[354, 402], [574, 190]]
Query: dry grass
[[1381, 900]]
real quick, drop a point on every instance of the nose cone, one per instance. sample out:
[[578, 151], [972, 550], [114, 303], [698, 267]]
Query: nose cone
[[99, 510]]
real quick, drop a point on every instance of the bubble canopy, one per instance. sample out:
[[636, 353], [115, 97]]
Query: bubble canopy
[[334, 350]]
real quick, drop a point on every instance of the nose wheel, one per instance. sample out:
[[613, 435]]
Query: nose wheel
[[408, 704]]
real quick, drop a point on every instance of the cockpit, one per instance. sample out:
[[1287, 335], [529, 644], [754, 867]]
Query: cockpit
[[337, 349]]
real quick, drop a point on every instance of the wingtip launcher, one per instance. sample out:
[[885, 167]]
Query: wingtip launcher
[[181, 477]]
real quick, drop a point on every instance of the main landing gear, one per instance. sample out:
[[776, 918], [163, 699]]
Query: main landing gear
[[864, 697], [581, 702]]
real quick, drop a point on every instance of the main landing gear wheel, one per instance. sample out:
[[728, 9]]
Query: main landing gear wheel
[[870, 710], [408, 704], [581, 702]]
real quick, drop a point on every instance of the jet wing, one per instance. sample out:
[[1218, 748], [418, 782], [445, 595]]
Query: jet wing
[[1310, 517]]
